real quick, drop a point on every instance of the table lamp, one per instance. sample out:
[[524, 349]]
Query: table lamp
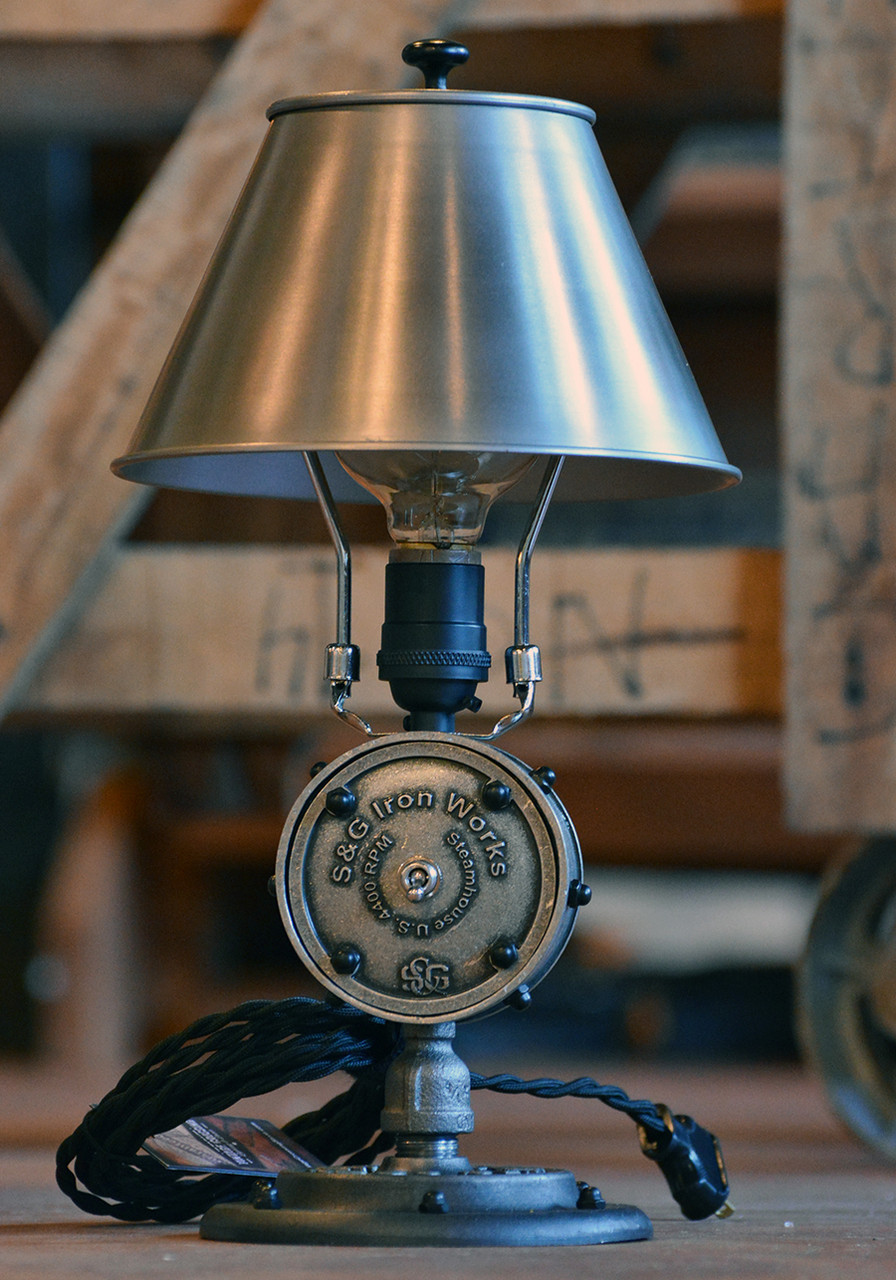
[[432, 296]]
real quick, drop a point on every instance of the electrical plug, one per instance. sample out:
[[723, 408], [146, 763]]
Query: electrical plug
[[691, 1161]]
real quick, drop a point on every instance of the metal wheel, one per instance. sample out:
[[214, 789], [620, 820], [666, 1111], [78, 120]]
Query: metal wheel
[[847, 994]]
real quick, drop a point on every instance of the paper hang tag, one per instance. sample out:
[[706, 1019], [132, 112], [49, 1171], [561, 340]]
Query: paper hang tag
[[229, 1144]]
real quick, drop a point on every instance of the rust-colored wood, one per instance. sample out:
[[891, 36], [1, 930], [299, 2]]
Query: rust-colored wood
[[840, 416], [675, 794], [88, 927], [126, 19]]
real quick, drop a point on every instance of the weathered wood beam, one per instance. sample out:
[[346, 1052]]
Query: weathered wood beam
[[139, 86], [60, 509], [840, 415], [124, 20], [105, 89], [710, 222], [622, 632], [530, 13], [130, 19]]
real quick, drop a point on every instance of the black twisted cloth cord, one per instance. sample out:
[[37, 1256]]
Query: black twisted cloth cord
[[250, 1050]]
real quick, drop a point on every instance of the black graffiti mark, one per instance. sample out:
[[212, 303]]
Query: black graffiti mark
[[857, 556], [622, 653], [850, 523], [858, 732], [855, 674], [869, 706], [864, 354], [854, 568], [811, 477], [274, 637], [854, 557], [824, 188]]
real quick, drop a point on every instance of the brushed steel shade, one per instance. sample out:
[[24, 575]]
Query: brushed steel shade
[[430, 269]]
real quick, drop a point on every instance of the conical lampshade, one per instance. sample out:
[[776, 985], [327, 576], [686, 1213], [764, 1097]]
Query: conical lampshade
[[435, 270]]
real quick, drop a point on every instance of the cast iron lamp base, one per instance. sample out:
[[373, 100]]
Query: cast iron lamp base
[[390, 1206], [426, 1194]]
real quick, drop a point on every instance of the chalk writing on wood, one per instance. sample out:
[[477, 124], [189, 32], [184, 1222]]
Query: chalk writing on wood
[[840, 330], [294, 606], [244, 632], [578, 632]]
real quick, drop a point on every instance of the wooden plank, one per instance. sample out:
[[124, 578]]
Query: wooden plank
[[97, 19], [128, 89], [622, 632], [840, 416], [710, 222], [59, 506], [126, 19], [142, 86], [816, 1206], [89, 920], [624, 781], [531, 13]]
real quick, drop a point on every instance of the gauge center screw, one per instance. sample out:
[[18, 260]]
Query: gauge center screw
[[419, 878]]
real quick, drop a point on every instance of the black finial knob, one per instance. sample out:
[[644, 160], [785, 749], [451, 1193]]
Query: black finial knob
[[435, 59]]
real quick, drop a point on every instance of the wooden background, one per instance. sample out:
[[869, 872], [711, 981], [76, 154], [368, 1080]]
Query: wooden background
[[62, 515], [840, 415]]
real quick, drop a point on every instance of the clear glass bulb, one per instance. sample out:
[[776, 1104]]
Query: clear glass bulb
[[438, 498]]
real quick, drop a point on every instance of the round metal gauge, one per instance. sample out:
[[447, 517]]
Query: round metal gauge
[[425, 878]]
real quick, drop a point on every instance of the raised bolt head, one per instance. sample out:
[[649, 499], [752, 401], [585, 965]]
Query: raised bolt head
[[589, 1197], [579, 894], [503, 954], [317, 767], [346, 960], [496, 795], [434, 1202], [520, 999], [341, 802], [545, 777]]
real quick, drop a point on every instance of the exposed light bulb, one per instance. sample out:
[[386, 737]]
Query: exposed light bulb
[[435, 498]]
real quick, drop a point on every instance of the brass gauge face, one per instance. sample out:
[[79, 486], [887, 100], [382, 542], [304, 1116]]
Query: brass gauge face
[[425, 878]]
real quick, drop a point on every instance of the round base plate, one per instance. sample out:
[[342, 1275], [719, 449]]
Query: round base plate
[[359, 1206]]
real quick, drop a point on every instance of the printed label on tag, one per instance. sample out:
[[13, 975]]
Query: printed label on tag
[[229, 1144]]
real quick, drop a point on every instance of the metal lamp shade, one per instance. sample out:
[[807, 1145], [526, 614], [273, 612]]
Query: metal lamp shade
[[427, 270]]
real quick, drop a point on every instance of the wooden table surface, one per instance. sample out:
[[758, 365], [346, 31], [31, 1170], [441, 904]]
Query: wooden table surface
[[810, 1203]]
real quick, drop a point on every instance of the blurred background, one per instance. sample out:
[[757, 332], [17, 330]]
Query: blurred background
[[136, 845]]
